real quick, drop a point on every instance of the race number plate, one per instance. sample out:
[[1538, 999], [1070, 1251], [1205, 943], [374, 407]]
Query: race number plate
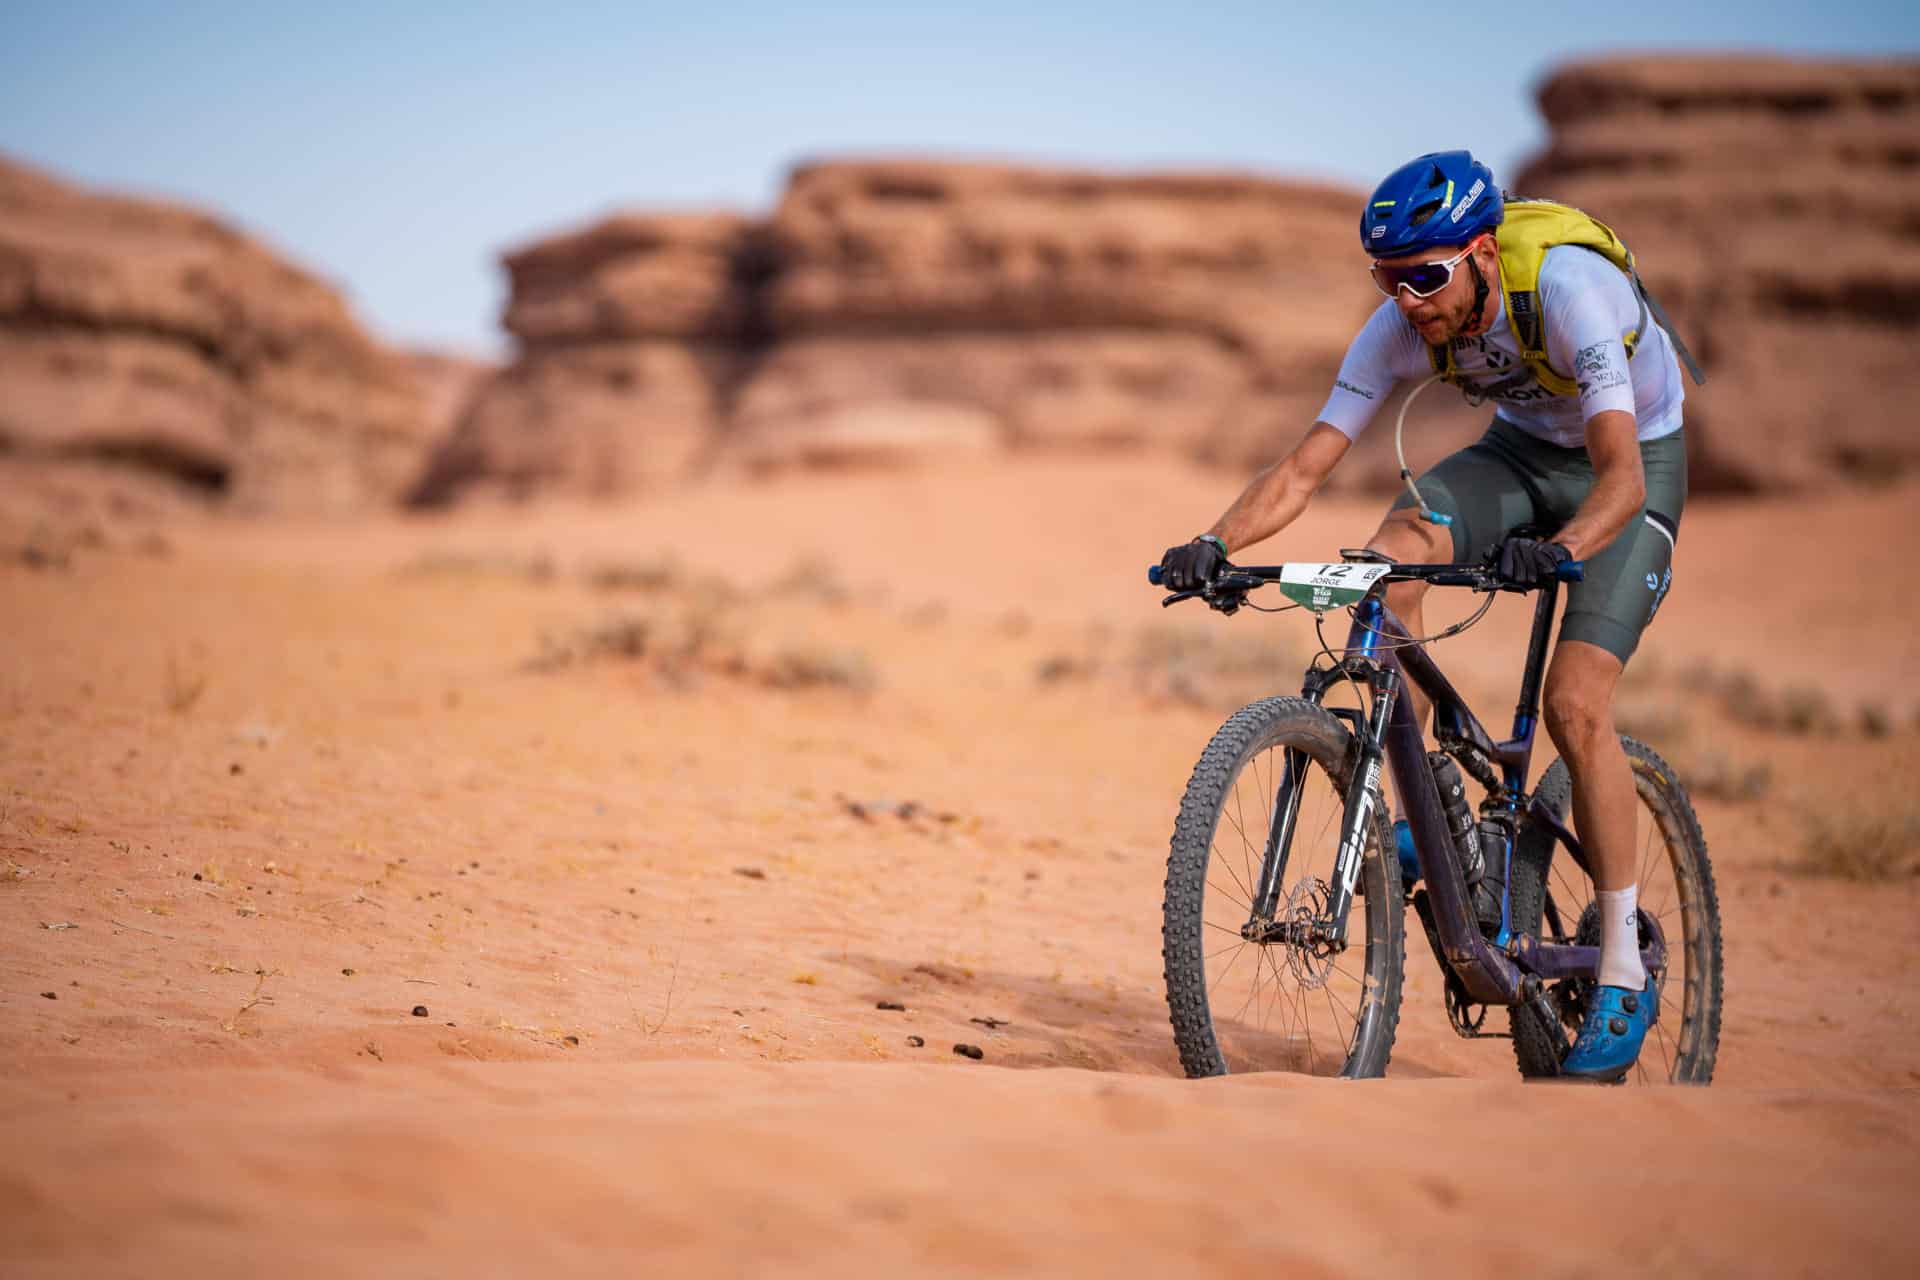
[[1321, 587]]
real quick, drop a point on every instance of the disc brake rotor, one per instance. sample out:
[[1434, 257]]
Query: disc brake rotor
[[1310, 955]]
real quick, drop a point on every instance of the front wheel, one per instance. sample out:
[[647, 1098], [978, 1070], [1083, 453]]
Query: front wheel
[[1553, 899], [1303, 1003]]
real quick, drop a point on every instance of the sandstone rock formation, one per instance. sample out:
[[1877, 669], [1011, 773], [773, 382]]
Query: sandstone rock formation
[[1775, 208], [144, 334], [907, 308]]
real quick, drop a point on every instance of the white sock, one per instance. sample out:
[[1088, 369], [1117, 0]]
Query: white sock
[[1620, 939]]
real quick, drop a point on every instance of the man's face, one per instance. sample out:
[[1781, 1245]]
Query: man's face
[[1446, 314]]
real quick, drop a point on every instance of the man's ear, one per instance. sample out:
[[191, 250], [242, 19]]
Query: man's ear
[[1487, 254]]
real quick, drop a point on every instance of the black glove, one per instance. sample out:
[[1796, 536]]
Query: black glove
[[1191, 567], [1530, 561]]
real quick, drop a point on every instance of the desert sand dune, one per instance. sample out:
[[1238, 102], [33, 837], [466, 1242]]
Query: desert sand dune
[[648, 807]]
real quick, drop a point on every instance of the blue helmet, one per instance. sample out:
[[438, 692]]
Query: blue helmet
[[1444, 198]]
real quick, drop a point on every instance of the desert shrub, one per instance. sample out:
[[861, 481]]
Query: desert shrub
[[1862, 847], [811, 666], [535, 568], [1711, 774], [1660, 724], [655, 573], [1807, 710], [1219, 667], [811, 578], [683, 641]]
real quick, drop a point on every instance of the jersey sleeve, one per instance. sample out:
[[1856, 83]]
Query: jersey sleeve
[[1376, 361], [1589, 305]]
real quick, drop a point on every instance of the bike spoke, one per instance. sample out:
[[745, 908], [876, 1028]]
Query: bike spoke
[[1221, 858], [1666, 1050], [1244, 904], [1646, 861]]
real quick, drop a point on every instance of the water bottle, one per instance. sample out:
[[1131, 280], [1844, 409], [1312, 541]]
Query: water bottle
[[1492, 889], [1460, 824]]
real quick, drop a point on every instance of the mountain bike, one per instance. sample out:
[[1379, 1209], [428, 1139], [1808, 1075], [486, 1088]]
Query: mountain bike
[[1284, 830]]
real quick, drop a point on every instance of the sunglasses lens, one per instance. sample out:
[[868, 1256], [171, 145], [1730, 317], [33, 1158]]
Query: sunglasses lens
[[1423, 278]]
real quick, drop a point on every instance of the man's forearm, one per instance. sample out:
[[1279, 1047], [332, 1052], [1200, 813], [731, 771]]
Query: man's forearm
[[1267, 505], [1276, 497]]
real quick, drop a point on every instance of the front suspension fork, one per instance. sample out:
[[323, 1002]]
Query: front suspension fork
[[1363, 793]]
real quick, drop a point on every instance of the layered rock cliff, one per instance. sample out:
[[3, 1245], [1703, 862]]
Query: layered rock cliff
[[1774, 206], [897, 308], [152, 337], [893, 308]]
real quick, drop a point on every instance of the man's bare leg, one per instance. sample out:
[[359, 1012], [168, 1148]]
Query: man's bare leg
[[1579, 714]]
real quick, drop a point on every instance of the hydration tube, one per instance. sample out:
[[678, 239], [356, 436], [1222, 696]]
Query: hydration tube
[[1427, 513]]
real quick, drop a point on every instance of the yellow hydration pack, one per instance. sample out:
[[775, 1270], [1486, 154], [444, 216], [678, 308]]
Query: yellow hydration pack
[[1529, 229]]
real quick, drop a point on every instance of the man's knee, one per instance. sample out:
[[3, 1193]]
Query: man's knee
[[1405, 536], [1579, 698]]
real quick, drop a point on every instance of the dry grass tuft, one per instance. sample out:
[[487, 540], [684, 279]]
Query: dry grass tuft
[[535, 568], [811, 578], [683, 641], [812, 666], [1866, 848], [1711, 774], [1659, 723], [653, 574], [1218, 667]]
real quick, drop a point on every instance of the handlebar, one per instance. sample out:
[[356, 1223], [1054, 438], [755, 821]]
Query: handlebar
[[1479, 577]]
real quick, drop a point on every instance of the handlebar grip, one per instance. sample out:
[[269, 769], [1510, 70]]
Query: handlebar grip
[[1154, 575], [1571, 571]]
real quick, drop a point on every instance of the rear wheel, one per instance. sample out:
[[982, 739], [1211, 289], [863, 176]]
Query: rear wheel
[[1304, 1004], [1553, 899]]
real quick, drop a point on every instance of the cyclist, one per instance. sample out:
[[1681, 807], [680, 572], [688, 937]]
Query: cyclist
[[1535, 307]]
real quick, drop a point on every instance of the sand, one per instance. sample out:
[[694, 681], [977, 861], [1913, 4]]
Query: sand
[[265, 788]]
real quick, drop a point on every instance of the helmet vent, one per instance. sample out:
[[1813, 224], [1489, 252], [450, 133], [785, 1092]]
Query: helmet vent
[[1420, 215], [1438, 179]]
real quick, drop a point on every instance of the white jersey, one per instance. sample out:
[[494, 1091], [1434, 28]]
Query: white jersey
[[1589, 306]]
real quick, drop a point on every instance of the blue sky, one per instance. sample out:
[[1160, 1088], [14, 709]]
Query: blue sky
[[398, 148]]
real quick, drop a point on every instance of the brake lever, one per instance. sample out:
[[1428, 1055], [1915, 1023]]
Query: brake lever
[[1177, 597]]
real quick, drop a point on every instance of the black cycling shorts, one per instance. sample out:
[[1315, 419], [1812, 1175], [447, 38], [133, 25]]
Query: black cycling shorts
[[1509, 478]]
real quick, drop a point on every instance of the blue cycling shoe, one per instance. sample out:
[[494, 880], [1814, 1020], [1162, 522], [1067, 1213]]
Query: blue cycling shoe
[[1614, 1030], [1409, 862]]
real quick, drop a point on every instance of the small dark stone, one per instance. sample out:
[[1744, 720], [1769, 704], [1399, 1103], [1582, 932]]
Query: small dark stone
[[348, 973], [893, 1005], [235, 768], [196, 875], [49, 995], [573, 1040], [973, 1051], [419, 1011], [751, 873], [474, 865], [915, 1042]]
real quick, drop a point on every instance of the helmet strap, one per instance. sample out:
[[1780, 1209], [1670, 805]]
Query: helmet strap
[[1480, 292]]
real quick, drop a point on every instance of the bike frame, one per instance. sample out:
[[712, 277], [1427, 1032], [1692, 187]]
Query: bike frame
[[1383, 655]]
